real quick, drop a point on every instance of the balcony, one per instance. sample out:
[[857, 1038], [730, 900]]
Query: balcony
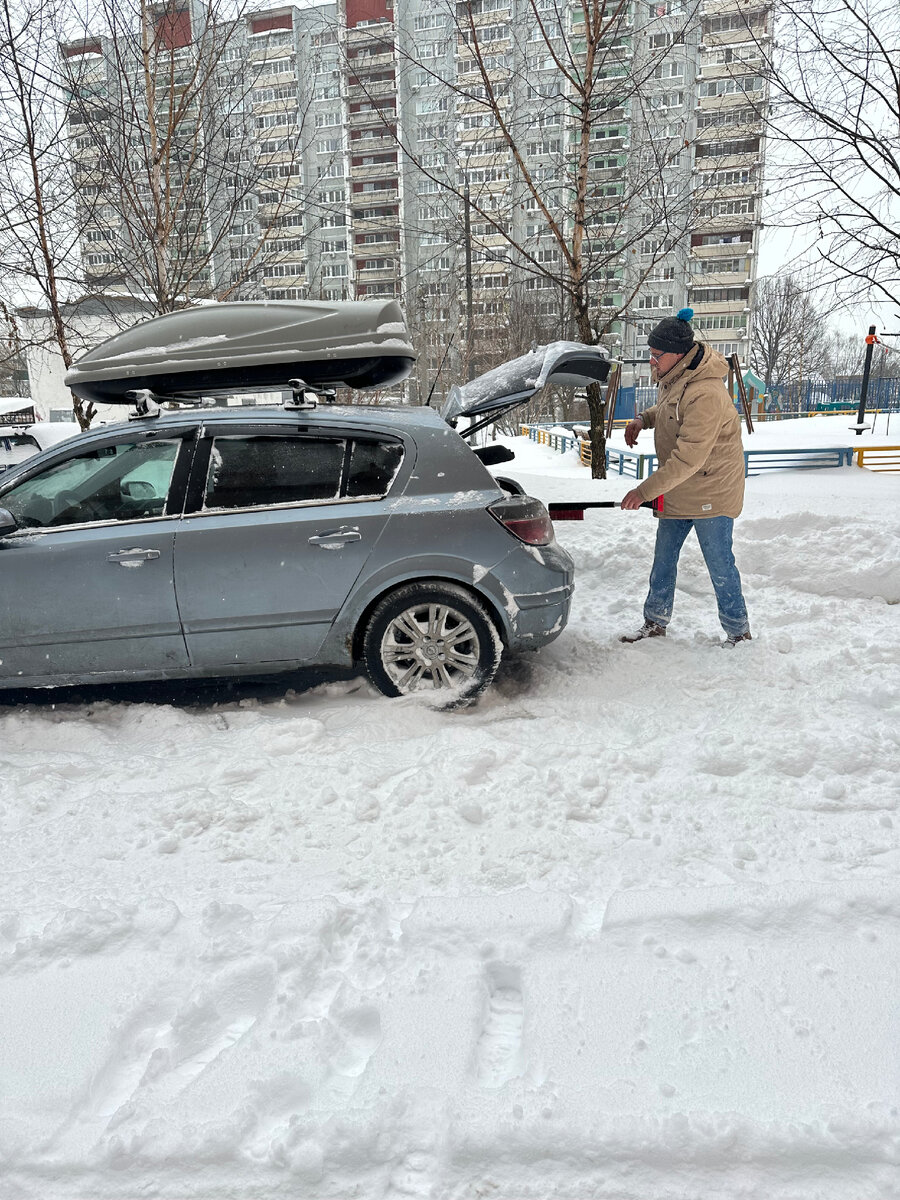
[[388, 275], [362, 35], [374, 171], [465, 12], [363, 63], [721, 279], [739, 249], [373, 119], [706, 308], [383, 196], [295, 279], [733, 37], [359, 87], [363, 225], [372, 145]]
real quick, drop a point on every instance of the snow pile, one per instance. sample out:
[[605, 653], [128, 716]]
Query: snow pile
[[628, 929]]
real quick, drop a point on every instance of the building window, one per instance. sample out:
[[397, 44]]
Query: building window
[[724, 295]]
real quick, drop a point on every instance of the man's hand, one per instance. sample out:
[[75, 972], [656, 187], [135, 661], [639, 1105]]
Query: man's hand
[[632, 429], [633, 499]]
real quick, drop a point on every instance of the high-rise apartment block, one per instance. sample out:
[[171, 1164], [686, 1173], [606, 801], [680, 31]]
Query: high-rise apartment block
[[363, 150]]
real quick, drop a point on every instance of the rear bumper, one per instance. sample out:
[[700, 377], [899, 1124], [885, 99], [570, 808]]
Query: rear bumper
[[540, 582], [540, 617]]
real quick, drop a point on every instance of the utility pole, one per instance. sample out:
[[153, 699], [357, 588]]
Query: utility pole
[[871, 339]]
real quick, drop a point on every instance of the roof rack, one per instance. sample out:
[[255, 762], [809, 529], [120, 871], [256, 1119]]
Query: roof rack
[[146, 404], [304, 397], [299, 398]]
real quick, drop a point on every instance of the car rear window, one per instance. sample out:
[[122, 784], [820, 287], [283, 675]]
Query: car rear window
[[259, 470], [373, 466], [252, 472]]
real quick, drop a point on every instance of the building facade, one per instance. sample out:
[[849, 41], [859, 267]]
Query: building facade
[[431, 152]]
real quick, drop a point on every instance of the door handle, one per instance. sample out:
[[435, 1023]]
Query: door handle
[[333, 541], [132, 558]]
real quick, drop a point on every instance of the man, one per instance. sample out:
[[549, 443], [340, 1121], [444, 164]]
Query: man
[[701, 474]]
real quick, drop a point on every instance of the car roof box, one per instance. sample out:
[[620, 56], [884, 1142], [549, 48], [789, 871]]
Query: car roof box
[[249, 346]]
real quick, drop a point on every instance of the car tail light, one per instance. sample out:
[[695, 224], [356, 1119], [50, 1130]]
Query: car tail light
[[526, 518]]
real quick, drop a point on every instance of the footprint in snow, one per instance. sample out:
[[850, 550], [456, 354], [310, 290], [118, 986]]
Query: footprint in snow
[[350, 1040], [359, 1034], [499, 1054], [165, 1045]]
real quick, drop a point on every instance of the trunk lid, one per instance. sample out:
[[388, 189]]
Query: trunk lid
[[568, 364]]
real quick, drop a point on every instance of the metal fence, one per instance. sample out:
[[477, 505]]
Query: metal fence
[[812, 396], [796, 458]]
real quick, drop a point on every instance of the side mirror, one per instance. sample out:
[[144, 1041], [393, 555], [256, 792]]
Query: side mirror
[[8, 523]]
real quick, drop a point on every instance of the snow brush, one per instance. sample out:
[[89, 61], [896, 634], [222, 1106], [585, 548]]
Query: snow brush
[[565, 510]]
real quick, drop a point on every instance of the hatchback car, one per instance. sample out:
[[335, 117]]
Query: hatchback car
[[207, 542]]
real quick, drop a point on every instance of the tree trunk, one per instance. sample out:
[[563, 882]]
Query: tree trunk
[[596, 398], [597, 409]]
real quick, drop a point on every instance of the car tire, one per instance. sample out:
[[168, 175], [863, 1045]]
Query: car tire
[[431, 637]]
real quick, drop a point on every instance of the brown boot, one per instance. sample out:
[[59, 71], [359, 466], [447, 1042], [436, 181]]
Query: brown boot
[[647, 630], [734, 638]]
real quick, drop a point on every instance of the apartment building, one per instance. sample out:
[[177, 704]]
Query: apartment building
[[357, 157]]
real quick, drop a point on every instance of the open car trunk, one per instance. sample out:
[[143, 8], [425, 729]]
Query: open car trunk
[[567, 364], [242, 346]]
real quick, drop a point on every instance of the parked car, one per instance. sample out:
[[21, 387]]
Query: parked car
[[19, 442], [206, 542]]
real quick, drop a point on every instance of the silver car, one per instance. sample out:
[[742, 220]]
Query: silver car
[[207, 542]]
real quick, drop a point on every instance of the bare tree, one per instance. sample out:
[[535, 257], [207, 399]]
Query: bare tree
[[39, 233], [183, 199], [147, 151], [835, 121], [12, 358], [555, 209], [789, 331]]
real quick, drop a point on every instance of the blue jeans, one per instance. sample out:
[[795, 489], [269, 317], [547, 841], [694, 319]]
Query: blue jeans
[[714, 535]]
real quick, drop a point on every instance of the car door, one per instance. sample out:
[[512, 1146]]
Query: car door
[[279, 524], [86, 581]]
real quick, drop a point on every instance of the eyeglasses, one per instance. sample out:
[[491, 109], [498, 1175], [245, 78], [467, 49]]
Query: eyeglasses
[[656, 355]]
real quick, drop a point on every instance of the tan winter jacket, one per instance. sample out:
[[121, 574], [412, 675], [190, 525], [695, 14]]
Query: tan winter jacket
[[698, 440]]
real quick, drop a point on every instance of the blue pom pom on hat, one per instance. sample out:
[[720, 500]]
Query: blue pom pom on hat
[[684, 314]]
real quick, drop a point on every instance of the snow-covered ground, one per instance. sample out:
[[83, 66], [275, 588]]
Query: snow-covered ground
[[626, 930]]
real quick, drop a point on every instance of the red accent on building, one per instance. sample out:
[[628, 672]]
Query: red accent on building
[[264, 24], [173, 28], [368, 10], [83, 48]]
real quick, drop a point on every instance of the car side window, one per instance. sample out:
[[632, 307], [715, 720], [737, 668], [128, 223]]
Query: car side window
[[252, 471], [125, 481], [373, 465]]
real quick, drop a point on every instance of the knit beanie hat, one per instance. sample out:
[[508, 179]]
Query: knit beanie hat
[[673, 334]]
